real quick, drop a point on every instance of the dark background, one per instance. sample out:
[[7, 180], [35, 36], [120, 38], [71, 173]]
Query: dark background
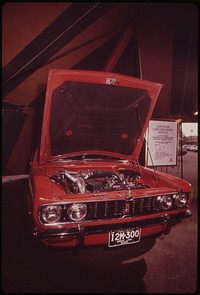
[[37, 36]]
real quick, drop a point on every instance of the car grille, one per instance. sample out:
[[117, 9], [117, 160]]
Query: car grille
[[98, 210], [119, 208]]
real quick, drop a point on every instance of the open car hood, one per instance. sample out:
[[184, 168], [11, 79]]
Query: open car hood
[[90, 112]]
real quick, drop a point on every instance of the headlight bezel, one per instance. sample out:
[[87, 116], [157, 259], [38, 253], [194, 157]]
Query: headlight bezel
[[63, 213], [169, 202], [179, 198], [77, 207], [165, 202], [47, 210]]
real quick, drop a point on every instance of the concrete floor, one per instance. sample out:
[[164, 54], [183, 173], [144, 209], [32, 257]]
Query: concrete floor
[[165, 265], [189, 169]]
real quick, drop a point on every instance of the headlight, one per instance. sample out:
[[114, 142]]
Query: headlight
[[165, 202], [77, 212], [51, 214], [181, 200]]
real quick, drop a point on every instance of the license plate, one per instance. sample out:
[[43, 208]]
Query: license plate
[[124, 237]]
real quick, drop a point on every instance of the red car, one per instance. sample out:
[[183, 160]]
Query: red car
[[86, 184]]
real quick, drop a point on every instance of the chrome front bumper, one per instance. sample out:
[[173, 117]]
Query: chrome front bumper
[[80, 231]]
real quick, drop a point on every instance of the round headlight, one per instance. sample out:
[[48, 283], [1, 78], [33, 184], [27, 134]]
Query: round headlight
[[51, 214], [166, 202], [77, 212], [181, 200]]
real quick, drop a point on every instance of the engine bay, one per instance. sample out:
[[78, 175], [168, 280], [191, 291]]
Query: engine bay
[[98, 181]]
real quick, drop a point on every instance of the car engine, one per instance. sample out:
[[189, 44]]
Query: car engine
[[97, 181]]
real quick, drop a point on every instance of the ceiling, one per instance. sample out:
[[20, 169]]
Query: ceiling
[[40, 36]]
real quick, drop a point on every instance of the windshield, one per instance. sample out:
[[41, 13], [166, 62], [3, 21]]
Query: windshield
[[87, 116]]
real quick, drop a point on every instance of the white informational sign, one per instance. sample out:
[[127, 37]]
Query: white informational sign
[[161, 147]]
